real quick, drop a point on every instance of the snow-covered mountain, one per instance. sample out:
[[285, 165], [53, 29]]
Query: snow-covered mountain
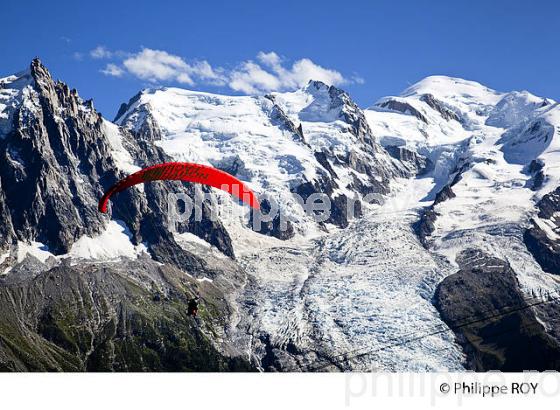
[[315, 140], [454, 188]]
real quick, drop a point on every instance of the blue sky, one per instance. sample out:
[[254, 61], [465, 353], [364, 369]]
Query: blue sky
[[370, 48]]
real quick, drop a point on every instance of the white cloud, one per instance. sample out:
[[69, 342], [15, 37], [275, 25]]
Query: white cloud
[[356, 79], [251, 78], [272, 75], [204, 71], [113, 70], [267, 73], [100, 52], [270, 59], [158, 65]]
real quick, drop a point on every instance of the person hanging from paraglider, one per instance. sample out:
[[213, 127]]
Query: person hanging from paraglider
[[192, 310], [192, 307]]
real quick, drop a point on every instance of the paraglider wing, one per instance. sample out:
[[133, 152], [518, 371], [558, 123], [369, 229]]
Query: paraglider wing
[[184, 171]]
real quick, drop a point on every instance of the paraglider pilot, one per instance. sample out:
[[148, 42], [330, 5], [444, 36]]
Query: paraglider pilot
[[192, 307]]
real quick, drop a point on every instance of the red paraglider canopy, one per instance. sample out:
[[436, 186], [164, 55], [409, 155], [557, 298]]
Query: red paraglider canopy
[[184, 171]]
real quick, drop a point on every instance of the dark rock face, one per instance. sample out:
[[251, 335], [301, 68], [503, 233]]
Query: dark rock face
[[339, 204], [53, 144], [7, 234], [545, 251], [483, 305], [544, 248], [535, 169], [275, 227], [126, 106], [445, 194], [424, 227], [549, 204], [528, 138], [279, 118], [353, 115], [129, 316], [148, 130], [439, 107], [324, 161], [404, 108], [415, 163]]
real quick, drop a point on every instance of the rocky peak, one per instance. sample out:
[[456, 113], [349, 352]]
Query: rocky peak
[[51, 145], [58, 157], [124, 107], [330, 99]]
